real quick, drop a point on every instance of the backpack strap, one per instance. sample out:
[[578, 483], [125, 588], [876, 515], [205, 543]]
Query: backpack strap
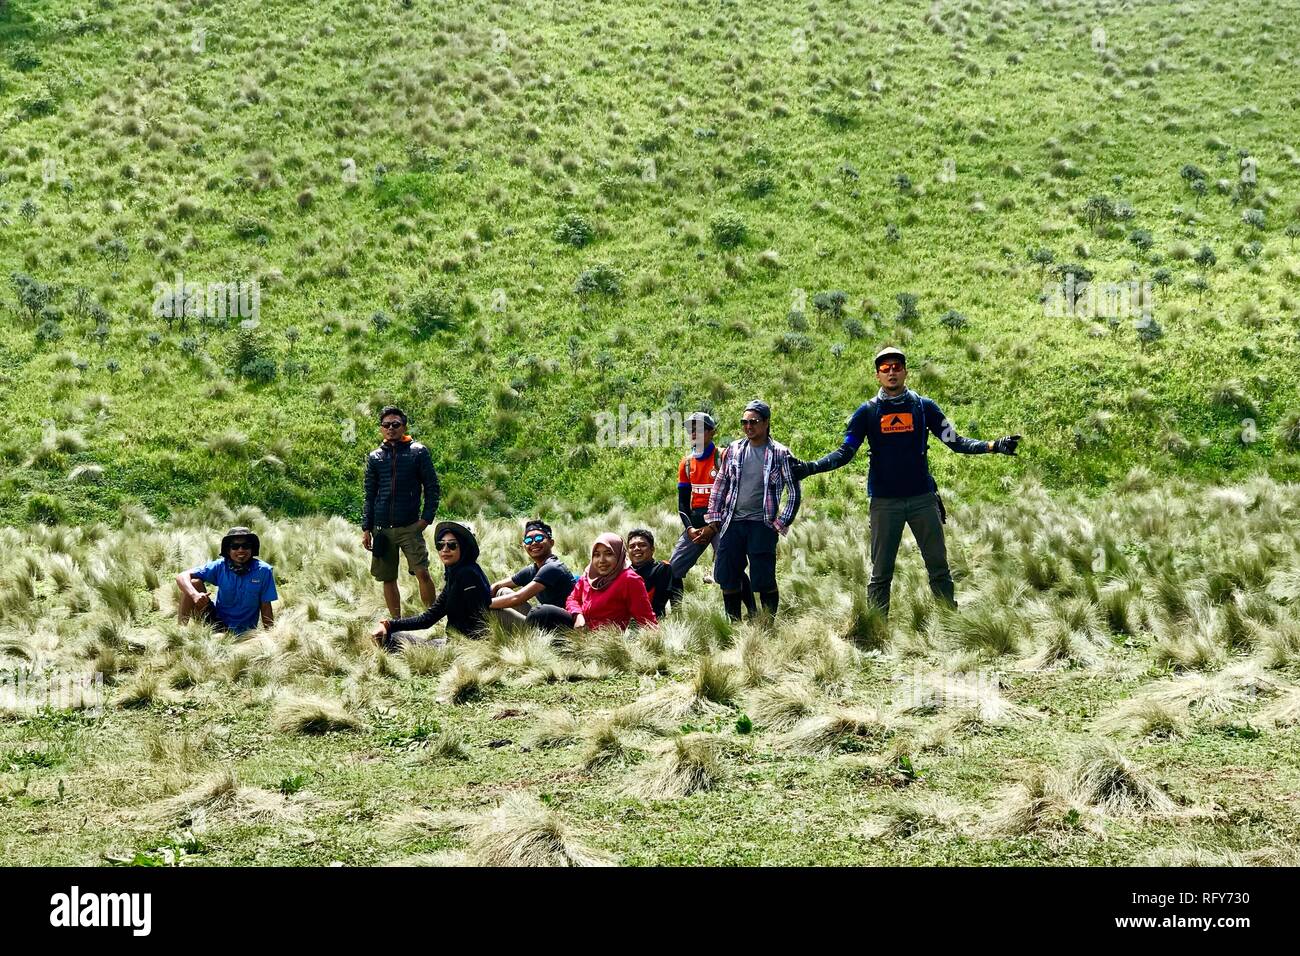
[[925, 444]]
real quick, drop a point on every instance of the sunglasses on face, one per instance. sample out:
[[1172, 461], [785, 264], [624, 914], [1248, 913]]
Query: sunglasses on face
[[890, 367], [240, 546], [448, 546], [534, 538], [391, 424], [750, 422]]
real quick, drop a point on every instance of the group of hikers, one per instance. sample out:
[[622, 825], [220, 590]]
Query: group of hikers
[[738, 500]]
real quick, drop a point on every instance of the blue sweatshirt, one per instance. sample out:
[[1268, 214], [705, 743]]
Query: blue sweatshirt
[[897, 431]]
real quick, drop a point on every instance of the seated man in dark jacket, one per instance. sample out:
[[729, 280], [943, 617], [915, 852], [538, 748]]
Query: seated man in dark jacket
[[464, 598], [657, 575], [398, 474]]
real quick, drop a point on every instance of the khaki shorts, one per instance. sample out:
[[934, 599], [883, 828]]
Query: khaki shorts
[[385, 545]]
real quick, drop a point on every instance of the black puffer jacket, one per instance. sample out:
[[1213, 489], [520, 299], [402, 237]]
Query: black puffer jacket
[[396, 475]]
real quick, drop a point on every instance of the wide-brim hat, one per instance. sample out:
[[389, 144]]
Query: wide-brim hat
[[240, 532]]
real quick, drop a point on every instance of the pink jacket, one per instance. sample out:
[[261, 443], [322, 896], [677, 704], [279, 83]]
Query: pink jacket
[[625, 600]]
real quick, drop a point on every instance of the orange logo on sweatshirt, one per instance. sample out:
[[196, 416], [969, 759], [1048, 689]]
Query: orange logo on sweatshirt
[[896, 422]]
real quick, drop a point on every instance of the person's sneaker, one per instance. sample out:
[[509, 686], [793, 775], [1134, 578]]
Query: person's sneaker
[[708, 578]]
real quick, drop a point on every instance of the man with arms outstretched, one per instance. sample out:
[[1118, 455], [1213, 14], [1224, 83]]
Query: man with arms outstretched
[[896, 425]]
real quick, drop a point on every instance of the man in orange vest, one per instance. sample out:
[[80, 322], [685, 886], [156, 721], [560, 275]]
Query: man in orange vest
[[695, 477]]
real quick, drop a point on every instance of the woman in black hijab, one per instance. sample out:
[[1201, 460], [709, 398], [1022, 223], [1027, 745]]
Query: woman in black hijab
[[463, 599]]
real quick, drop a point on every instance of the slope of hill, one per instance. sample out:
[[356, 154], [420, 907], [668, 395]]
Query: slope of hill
[[514, 217]]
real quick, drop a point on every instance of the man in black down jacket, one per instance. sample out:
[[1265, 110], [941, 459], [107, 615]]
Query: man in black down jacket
[[398, 473]]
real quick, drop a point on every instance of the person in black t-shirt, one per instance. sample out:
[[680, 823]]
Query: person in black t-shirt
[[657, 575], [547, 579]]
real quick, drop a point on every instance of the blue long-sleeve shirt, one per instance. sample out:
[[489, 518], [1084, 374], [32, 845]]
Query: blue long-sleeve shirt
[[897, 432]]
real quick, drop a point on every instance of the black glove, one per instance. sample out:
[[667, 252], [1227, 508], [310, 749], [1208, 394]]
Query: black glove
[[800, 469], [1006, 446]]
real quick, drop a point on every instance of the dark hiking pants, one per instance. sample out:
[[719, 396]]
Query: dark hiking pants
[[921, 514]]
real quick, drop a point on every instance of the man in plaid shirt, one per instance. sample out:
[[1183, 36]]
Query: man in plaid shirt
[[743, 511]]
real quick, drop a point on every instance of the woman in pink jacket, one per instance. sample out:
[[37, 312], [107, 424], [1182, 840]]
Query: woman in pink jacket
[[609, 592]]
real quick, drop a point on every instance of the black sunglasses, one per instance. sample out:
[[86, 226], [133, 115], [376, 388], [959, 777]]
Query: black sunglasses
[[396, 424], [448, 546], [746, 422], [241, 546], [534, 538]]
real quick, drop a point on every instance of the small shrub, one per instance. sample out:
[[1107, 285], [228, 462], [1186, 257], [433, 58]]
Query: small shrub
[[431, 310], [790, 343], [831, 304], [907, 311], [46, 509], [601, 279], [574, 231], [728, 230]]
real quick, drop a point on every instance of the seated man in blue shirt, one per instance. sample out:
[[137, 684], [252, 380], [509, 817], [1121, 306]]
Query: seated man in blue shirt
[[245, 586]]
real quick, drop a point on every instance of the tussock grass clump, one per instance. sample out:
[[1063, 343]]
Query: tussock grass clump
[[1103, 778], [142, 690], [425, 660], [1121, 607], [926, 816], [1062, 646], [672, 703], [523, 831], [1039, 803], [1217, 693], [1186, 855], [603, 740], [419, 823], [981, 697], [682, 766], [608, 647], [821, 734], [1280, 645], [221, 794], [528, 652], [465, 682], [186, 750], [312, 715], [986, 631], [780, 706], [448, 745], [1147, 718], [555, 728], [1285, 711], [315, 656], [1193, 642], [757, 659], [716, 681], [867, 626]]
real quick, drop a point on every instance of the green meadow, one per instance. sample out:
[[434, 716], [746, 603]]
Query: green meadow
[[511, 218], [231, 232]]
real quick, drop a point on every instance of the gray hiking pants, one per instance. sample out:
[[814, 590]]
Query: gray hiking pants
[[921, 514]]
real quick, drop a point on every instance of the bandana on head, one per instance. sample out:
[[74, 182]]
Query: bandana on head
[[615, 544]]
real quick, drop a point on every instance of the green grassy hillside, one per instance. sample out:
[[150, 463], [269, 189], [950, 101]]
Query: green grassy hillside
[[511, 217]]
